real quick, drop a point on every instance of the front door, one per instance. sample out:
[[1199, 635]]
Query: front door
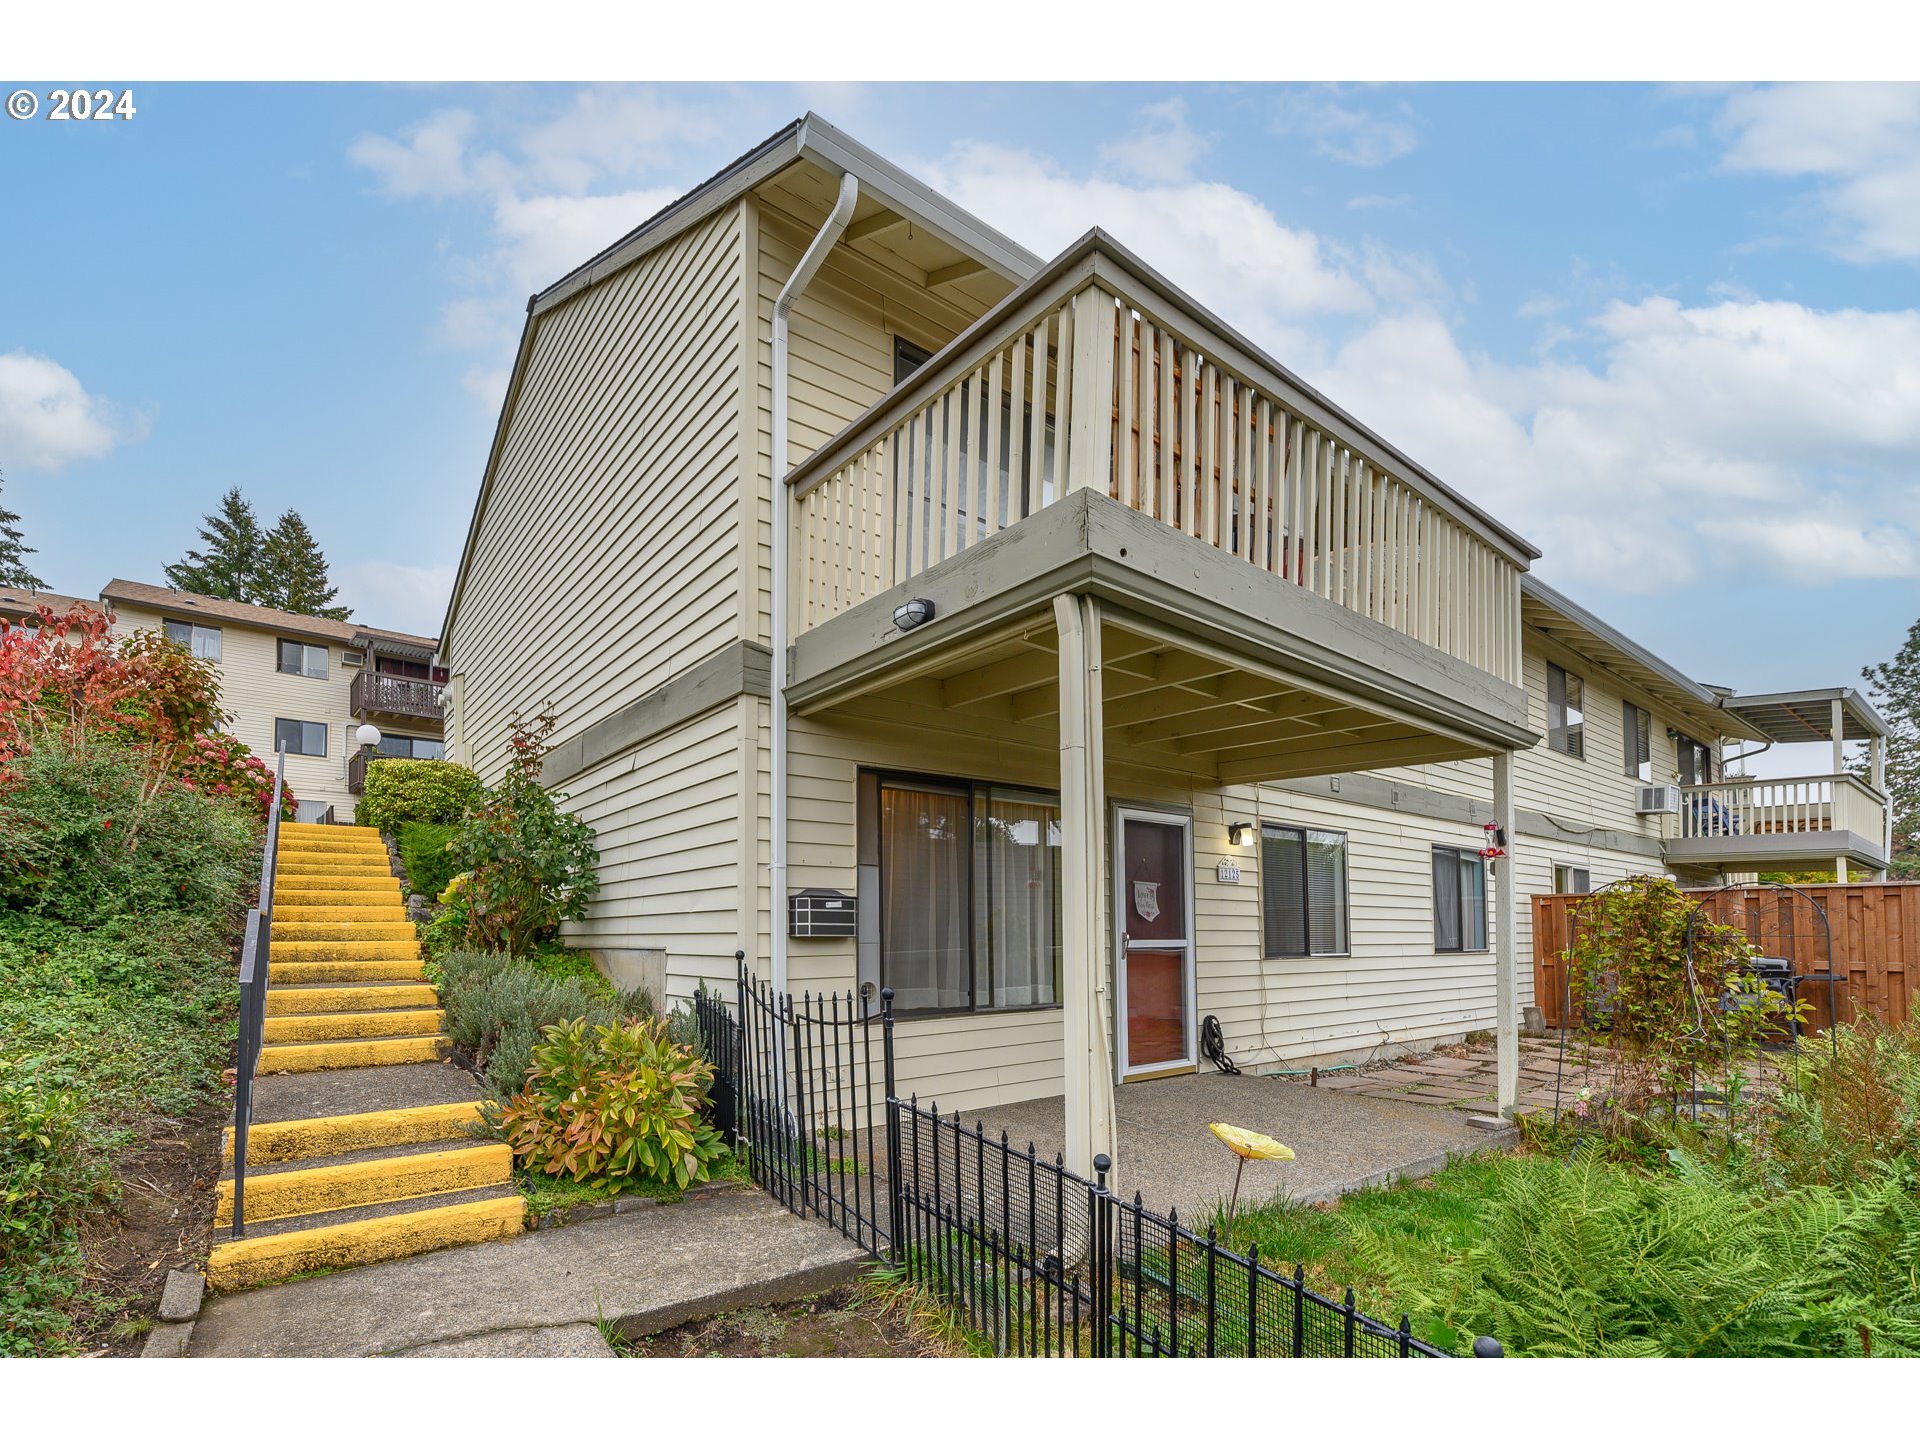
[[1153, 902]]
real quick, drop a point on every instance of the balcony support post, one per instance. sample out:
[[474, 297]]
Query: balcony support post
[[1089, 1075], [1839, 738], [1506, 968]]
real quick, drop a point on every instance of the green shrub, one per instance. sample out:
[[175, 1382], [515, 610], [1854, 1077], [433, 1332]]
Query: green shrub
[[528, 864], [497, 1005], [425, 854], [91, 835], [614, 1106], [437, 792]]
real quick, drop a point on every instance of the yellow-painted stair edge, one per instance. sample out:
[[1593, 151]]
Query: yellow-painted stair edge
[[356, 999], [351, 1025], [238, 1264], [281, 1140], [350, 1054], [287, 1193]]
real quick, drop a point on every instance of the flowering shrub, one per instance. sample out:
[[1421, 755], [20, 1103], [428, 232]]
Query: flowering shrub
[[614, 1106], [529, 864], [71, 675], [220, 766]]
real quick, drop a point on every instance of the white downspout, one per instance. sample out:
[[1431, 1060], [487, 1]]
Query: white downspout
[[802, 277]]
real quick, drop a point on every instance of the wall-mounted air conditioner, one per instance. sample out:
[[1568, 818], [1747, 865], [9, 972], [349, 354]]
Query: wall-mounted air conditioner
[[353, 659], [1657, 800]]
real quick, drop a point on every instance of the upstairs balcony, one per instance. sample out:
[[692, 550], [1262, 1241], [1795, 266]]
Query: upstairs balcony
[[1798, 822], [1100, 432], [395, 696]]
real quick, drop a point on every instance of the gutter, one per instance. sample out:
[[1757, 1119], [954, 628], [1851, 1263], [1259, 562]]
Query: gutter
[[803, 273]]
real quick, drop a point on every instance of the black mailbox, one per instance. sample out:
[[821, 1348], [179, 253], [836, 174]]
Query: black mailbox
[[822, 914]]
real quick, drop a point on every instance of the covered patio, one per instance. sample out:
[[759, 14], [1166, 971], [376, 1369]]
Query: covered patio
[[1343, 1141]]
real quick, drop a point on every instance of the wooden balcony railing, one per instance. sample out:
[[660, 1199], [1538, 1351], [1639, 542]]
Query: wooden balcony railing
[[357, 772], [1098, 380], [1799, 805], [377, 694]]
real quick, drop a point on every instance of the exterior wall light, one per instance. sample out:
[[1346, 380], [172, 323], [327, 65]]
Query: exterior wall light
[[1242, 833], [913, 614]]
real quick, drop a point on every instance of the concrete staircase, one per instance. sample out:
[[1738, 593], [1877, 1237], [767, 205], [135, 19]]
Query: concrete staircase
[[350, 1017]]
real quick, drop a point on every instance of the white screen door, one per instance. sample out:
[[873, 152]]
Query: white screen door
[[1153, 900]]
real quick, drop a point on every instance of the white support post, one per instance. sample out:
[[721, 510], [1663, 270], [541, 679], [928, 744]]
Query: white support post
[[1083, 829], [1839, 738], [1506, 971]]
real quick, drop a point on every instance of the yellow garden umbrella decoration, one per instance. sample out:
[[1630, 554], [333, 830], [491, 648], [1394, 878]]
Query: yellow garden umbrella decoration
[[1248, 1145]]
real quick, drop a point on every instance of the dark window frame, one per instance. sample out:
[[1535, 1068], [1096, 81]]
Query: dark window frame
[[308, 727], [870, 821], [382, 753], [1682, 745], [1569, 738], [1636, 721], [907, 358], [1463, 858], [303, 647], [1273, 830]]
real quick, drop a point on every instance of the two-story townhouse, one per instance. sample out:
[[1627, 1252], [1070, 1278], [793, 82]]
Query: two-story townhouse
[[1111, 676], [301, 684]]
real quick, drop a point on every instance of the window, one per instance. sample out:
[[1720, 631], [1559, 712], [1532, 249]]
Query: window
[[297, 658], [1695, 761], [203, 641], [1637, 725], [1459, 899], [409, 747], [1571, 880], [300, 737], [1303, 890], [969, 913], [1566, 713], [310, 812], [907, 358]]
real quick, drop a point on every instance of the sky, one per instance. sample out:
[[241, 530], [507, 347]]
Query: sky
[[1671, 334]]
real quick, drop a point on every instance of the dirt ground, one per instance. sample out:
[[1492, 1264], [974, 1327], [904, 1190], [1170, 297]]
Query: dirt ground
[[161, 1222], [845, 1322]]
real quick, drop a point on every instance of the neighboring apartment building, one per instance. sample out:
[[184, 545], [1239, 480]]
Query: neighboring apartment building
[[301, 684], [1119, 678]]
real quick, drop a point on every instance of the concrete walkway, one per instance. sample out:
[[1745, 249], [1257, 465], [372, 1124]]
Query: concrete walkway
[[1344, 1141], [541, 1293]]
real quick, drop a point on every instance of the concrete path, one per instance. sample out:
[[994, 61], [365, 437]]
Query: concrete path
[[540, 1294], [1344, 1141]]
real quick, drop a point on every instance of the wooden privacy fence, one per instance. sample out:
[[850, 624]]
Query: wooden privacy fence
[[1876, 943]]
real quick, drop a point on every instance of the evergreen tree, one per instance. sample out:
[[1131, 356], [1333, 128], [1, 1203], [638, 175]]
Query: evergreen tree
[[1895, 687], [293, 572], [14, 551], [229, 567]]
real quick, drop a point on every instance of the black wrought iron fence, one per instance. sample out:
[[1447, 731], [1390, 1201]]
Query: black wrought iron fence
[[1036, 1259], [256, 960]]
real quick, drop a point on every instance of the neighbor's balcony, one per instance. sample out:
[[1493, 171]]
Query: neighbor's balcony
[[376, 694], [1104, 379], [1813, 818]]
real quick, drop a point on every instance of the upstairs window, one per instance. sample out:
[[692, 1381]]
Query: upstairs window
[[1695, 760], [409, 747], [907, 358], [1637, 726], [300, 737], [1303, 891], [299, 658], [1566, 712], [1459, 899], [201, 641]]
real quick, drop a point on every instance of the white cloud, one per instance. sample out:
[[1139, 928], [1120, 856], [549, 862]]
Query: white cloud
[[48, 419], [558, 188], [1163, 147], [1861, 142], [1344, 131], [397, 597]]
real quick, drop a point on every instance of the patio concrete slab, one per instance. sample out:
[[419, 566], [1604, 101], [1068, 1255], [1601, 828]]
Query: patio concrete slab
[[645, 1271], [1344, 1141]]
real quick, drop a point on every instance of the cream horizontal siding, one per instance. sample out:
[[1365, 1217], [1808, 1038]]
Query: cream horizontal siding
[[607, 559], [840, 345], [666, 815], [254, 694]]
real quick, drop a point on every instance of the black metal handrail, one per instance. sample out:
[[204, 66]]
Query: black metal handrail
[[256, 961]]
